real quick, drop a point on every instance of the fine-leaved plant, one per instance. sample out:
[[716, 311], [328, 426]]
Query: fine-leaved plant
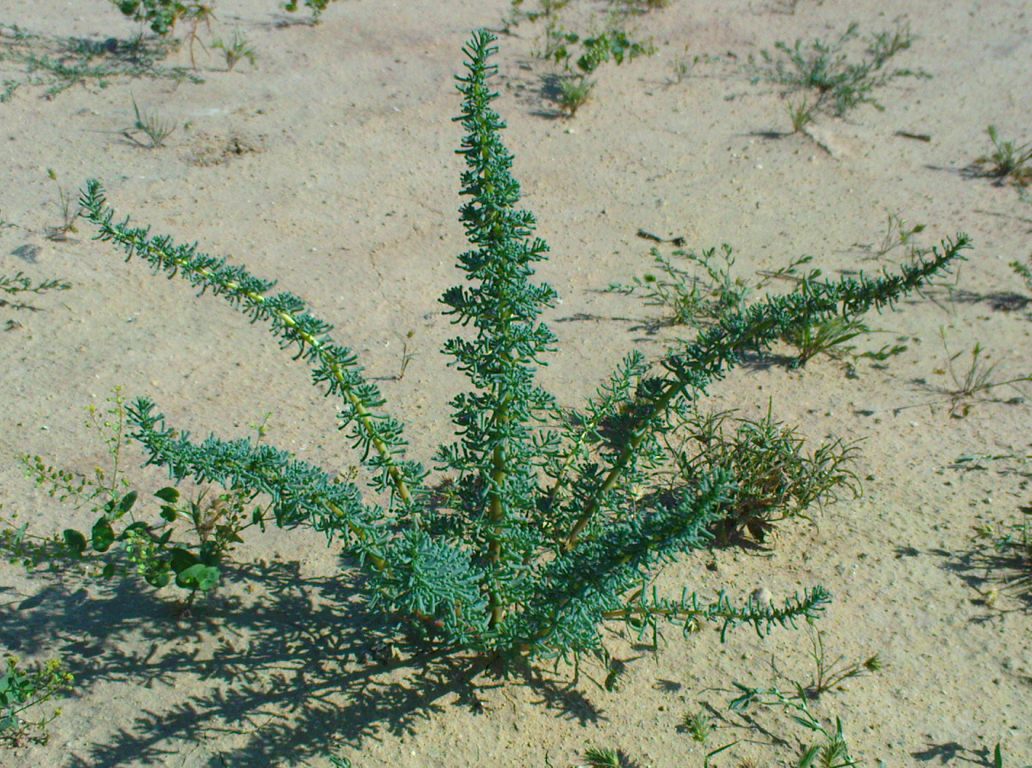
[[542, 534], [837, 81]]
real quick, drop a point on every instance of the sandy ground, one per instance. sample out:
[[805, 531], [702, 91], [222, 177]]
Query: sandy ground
[[329, 165]]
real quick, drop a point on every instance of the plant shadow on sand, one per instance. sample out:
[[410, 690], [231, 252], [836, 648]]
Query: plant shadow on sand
[[300, 668]]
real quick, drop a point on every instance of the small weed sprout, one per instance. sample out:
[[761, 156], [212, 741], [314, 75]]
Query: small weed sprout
[[152, 126], [683, 66], [161, 16], [974, 380], [545, 535], [25, 689], [826, 70], [698, 725], [315, 7], [68, 208], [580, 55], [898, 234], [574, 92], [800, 113], [235, 50], [830, 675], [1008, 562], [1008, 161]]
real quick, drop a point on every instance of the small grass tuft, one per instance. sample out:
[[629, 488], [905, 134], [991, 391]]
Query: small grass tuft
[[151, 125], [1008, 161], [235, 50]]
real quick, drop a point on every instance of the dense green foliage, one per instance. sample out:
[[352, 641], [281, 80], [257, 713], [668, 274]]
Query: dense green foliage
[[543, 532]]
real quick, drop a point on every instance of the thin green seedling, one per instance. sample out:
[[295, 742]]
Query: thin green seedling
[[800, 114], [544, 536], [235, 50], [998, 757], [830, 675], [1008, 161], [25, 689], [899, 234], [974, 380], [832, 337], [838, 82], [151, 125], [683, 66], [68, 208]]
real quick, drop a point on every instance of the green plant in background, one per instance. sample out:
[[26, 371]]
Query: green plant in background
[[26, 689], [123, 540], [1008, 161], [838, 83], [699, 298], [544, 534], [316, 7], [581, 54], [161, 16], [235, 50], [58, 63], [775, 478]]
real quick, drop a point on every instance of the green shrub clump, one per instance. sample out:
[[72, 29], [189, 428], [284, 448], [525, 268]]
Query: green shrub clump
[[542, 532]]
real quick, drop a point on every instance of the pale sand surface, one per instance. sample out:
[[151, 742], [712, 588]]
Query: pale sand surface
[[330, 166]]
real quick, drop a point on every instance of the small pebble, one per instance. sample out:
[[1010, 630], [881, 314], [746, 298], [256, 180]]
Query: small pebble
[[762, 597]]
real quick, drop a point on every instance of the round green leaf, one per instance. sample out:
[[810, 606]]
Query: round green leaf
[[199, 576], [75, 541], [103, 535], [169, 494]]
